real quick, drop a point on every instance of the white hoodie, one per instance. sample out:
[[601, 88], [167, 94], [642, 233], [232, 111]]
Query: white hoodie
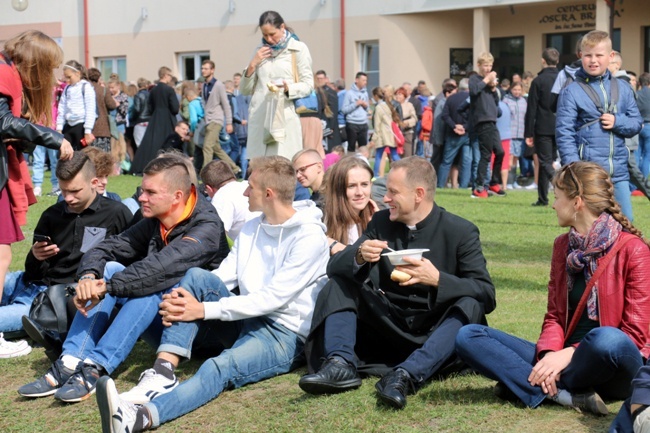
[[279, 270]]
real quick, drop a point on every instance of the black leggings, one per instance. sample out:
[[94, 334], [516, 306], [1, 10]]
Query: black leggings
[[74, 134]]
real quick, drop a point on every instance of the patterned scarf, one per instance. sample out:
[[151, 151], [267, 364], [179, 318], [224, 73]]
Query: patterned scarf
[[277, 48], [584, 252]]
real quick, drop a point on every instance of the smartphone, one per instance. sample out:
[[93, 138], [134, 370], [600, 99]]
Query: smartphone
[[43, 238]]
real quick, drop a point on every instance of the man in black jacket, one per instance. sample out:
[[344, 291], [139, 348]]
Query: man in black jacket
[[141, 114], [364, 321], [539, 129], [64, 232], [179, 231]]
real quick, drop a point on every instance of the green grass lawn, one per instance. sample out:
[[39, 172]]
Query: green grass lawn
[[517, 241]]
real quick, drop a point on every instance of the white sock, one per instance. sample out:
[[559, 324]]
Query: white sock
[[70, 362], [89, 362], [563, 397]]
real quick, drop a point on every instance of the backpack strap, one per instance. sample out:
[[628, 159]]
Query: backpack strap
[[611, 107]]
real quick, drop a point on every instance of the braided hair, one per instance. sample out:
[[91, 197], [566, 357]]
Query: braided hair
[[591, 182]]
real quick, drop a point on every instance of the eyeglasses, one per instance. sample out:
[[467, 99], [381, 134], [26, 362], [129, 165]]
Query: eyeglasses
[[304, 168]]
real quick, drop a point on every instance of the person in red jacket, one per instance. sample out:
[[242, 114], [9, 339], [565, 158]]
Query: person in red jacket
[[595, 333]]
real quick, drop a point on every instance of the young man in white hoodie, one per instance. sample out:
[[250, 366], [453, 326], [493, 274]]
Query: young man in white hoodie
[[278, 262]]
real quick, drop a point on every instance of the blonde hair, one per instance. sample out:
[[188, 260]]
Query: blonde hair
[[594, 38], [36, 56], [485, 58], [276, 173], [164, 70], [591, 182]]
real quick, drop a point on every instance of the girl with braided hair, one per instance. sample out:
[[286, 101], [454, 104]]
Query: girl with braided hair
[[595, 333]]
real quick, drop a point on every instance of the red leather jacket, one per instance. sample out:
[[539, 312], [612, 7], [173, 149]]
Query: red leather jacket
[[623, 295]]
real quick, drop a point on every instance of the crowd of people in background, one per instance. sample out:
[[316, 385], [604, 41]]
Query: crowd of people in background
[[312, 182]]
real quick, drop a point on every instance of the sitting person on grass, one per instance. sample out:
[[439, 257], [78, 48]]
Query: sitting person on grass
[[402, 328], [596, 331], [132, 271], [278, 262], [348, 207], [64, 232], [227, 196]]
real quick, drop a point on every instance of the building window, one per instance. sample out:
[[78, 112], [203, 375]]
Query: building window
[[189, 64], [112, 65], [369, 56], [508, 56], [565, 43]]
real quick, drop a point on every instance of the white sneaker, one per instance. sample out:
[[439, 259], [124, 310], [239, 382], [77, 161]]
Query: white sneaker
[[13, 349], [117, 415], [38, 191], [150, 386]]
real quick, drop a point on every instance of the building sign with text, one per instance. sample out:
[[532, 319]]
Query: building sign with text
[[573, 17]]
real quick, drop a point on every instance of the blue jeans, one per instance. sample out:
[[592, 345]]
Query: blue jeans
[[107, 343], [261, 350], [643, 154], [605, 360], [622, 195], [380, 152], [476, 156], [16, 300], [39, 165], [453, 145]]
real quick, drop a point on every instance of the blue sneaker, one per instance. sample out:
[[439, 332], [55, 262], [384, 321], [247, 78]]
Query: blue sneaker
[[56, 376], [80, 385]]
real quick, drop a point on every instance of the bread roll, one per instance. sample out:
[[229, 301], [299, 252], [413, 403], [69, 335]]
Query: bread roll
[[399, 276]]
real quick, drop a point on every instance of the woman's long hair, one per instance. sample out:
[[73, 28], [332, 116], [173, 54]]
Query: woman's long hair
[[339, 214], [591, 182], [323, 98], [36, 56]]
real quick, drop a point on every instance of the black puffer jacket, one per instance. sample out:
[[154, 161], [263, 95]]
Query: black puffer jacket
[[153, 266]]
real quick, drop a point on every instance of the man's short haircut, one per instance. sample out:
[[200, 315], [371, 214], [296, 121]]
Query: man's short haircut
[[311, 153], [340, 84], [103, 161], [208, 62], [276, 173], [594, 38], [143, 83], [617, 58], [237, 74], [321, 72], [419, 173], [68, 169], [184, 122], [422, 83], [526, 75], [361, 74], [449, 87], [175, 172], [551, 56], [94, 75], [644, 79], [229, 84], [216, 173], [164, 70], [448, 80], [505, 83], [463, 84], [485, 58]]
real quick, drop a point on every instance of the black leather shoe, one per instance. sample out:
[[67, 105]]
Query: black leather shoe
[[394, 387], [334, 376], [53, 348], [539, 203]]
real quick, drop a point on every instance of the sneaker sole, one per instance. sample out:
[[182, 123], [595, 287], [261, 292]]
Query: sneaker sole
[[104, 403], [22, 352], [318, 388], [76, 399], [40, 394], [143, 399]]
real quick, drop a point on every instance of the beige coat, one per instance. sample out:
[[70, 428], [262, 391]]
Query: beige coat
[[382, 120], [409, 116], [255, 85]]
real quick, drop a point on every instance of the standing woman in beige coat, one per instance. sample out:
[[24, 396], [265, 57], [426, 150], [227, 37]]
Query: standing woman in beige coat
[[409, 119], [273, 64], [383, 138]]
